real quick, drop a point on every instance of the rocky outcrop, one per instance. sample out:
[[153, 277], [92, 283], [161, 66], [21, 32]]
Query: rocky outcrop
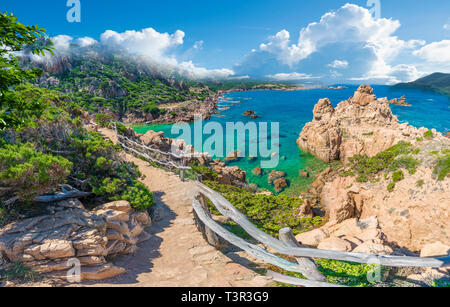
[[230, 175], [233, 156], [352, 235], [277, 178], [50, 243], [416, 211], [360, 125], [251, 114]]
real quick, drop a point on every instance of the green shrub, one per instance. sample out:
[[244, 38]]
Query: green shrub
[[420, 183], [398, 176], [138, 196], [30, 173], [368, 133], [428, 135], [442, 168], [205, 171], [103, 120], [269, 213], [150, 108], [346, 273], [392, 159], [391, 187], [347, 173]]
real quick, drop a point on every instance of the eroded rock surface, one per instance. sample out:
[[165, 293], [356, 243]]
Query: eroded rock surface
[[416, 211], [69, 231]]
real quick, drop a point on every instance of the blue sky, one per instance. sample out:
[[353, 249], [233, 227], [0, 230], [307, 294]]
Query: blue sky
[[221, 35]]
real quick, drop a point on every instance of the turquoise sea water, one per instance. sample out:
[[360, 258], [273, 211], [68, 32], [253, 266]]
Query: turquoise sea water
[[294, 109]]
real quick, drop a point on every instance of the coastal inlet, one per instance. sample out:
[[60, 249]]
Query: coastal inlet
[[292, 110]]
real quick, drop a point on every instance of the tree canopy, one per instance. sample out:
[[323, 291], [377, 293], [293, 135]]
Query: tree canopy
[[15, 37]]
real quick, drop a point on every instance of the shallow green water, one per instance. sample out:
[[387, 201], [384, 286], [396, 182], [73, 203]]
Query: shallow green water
[[292, 110]]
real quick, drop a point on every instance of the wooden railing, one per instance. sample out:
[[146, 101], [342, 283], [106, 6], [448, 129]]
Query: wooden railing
[[217, 235], [166, 159]]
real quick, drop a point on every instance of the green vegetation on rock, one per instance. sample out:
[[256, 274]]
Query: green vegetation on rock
[[442, 168], [390, 160], [43, 143], [268, 212]]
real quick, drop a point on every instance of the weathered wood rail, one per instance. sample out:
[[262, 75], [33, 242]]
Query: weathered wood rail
[[166, 159], [217, 236], [287, 245]]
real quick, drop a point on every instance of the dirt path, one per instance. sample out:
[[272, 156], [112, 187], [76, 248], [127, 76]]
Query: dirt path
[[176, 254]]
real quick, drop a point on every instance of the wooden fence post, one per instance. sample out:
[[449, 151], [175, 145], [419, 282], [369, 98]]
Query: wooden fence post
[[210, 236], [307, 266], [182, 175]]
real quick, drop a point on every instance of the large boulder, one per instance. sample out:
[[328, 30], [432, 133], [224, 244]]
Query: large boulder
[[411, 216], [312, 238], [360, 125], [436, 249], [47, 242], [335, 244]]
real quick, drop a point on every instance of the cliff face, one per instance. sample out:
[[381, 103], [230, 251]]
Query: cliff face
[[361, 125], [415, 210]]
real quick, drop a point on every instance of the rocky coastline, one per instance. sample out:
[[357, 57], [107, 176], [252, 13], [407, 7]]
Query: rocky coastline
[[404, 211]]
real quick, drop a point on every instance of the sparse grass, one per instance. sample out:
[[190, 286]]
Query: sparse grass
[[442, 168], [18, 271], [428, 135], [339, 272], [368, 134], [391, 187], [347, 173], [398, 176], [391, 160]]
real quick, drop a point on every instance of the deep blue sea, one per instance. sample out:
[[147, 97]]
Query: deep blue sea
[[294, 109]]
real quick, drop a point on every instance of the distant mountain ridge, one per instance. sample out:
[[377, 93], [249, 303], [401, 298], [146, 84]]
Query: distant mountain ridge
[[438, 82]]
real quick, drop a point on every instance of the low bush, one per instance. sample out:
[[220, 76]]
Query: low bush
[[442, 168], [103, 120], [428, 135], [398, 176], [269, 213], [138, 196], [28, 173], [392, 159], [391, 187]]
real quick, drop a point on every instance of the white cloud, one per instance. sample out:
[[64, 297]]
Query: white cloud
[[348, 24], [338, 64], [370, 45], [290, 76], [159, 47], [190, 70], [438, 52], [62, 42], [240, 77], [148, 42], [85, 42], [198, 45]]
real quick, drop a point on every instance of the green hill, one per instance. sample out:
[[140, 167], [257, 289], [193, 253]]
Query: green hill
[[126, 85], [438, 82]]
